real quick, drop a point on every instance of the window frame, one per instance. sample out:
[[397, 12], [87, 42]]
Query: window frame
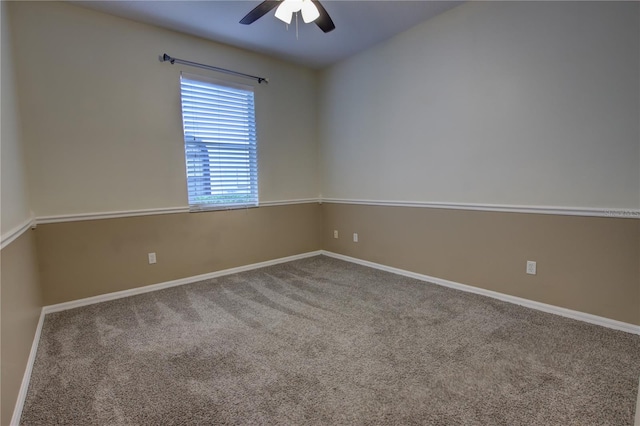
[[246, 176]]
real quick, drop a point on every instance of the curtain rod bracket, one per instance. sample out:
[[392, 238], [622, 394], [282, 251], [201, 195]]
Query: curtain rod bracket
[[167, 58]]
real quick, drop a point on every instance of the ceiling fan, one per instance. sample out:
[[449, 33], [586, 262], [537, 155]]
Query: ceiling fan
[[311, 10]]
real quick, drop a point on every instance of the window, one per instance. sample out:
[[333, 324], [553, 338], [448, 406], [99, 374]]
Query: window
[[219, 143]]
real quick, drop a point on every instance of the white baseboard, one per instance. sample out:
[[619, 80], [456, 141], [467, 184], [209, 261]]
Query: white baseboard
[[24, 386], [182, 281], [577, 315]]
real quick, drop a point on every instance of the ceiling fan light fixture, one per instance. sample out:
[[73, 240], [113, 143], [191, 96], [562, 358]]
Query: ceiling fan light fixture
[[285, 11], [309, 11], [287, 8]]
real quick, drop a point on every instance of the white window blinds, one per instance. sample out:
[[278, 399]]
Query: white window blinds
[[220, 144]]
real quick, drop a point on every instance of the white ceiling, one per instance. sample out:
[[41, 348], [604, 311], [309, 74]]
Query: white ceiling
[[359, 24]]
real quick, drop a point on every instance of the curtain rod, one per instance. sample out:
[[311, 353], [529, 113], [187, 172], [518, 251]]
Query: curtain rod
[[167, 58]]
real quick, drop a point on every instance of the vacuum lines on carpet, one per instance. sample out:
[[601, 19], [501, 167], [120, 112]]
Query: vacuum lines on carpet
[[323, 341]]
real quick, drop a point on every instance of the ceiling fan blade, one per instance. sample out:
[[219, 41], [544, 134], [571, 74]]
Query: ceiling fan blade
[[324, 21], [259, 11]]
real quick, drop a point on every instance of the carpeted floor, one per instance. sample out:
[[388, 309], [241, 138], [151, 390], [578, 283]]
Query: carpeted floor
[[322, 341]]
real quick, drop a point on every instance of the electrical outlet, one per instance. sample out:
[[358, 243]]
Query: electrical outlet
[[152, 258], [531, 267], [355, 237], [335, 233]]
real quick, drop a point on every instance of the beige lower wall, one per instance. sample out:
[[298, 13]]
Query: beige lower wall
[[89, 258], [588, 264], [21, 303]]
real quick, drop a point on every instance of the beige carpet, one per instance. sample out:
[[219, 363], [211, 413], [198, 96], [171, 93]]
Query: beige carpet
[[321, 341]]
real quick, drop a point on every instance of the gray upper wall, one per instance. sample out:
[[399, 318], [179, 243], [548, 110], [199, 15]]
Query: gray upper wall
[[101, 115], [512, 103], [517, 103], [14, 193]]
